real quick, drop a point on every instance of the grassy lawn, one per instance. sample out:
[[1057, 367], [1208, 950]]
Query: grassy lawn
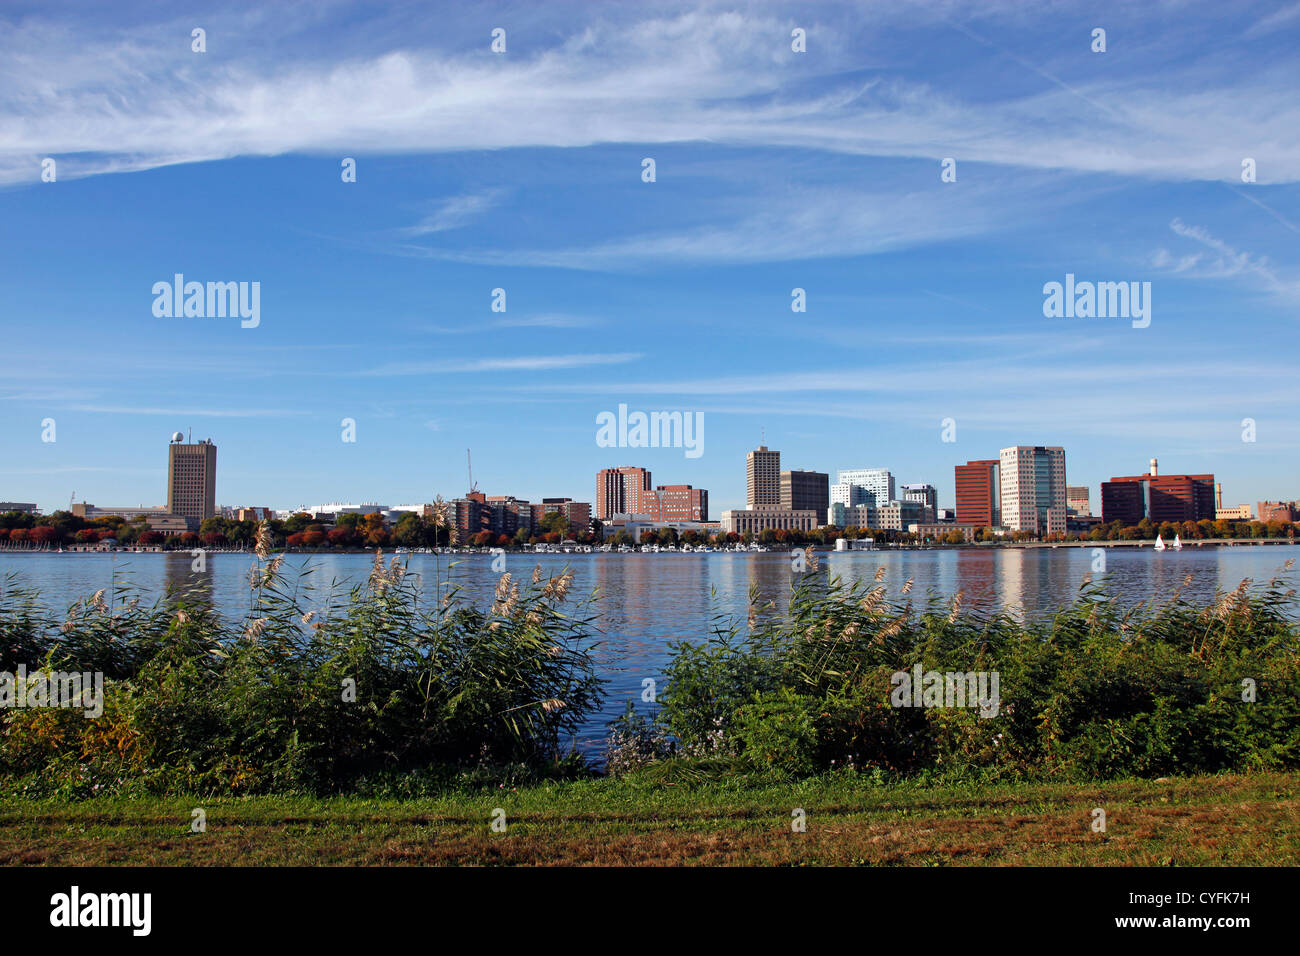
[[666, 819]]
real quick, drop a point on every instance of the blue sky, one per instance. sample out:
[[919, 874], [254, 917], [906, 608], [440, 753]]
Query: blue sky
[[522, 171]]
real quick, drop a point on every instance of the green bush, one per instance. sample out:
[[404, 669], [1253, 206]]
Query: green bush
[[1095, 691], [776, 731], [264, 703]]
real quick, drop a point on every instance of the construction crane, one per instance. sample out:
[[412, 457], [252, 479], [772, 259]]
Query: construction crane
[[469, 464]]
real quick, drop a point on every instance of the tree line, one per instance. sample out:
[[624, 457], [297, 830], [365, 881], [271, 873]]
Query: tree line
[[355, 531]]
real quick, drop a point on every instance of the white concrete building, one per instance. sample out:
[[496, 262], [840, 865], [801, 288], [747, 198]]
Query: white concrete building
[[758, 520], [336, 508], [1032, 488], [875, 486]]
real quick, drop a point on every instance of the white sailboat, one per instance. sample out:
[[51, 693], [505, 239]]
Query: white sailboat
[[1160, 543], [1178, 544]]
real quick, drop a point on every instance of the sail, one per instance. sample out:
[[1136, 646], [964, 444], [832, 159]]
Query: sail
[[1160, 544], [1178, 543]]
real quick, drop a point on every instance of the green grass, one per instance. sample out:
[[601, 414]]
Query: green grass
[[669, 816]]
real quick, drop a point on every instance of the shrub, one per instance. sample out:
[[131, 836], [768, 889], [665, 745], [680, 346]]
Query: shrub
[[287, 699], [776, 731], [1094, 691]]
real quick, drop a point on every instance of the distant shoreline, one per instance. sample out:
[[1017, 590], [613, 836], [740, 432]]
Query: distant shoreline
[[1143, 545]]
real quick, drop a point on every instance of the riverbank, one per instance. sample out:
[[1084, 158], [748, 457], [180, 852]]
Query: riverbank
[[658, 818], [1135, 545]]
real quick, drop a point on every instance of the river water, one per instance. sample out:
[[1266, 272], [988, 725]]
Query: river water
[[649, 600]]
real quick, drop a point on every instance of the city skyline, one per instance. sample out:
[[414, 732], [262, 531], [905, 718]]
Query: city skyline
[[775, 171], [628, 491]]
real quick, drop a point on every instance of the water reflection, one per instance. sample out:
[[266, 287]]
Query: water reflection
[[187, 578]]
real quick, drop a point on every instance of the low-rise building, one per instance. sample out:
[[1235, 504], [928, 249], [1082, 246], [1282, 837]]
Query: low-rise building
[[886, 516], [768, 518], [897, 515], [636, 525], [1081, 524], [1279, 511], [855, 544], [849, 516], [330, 512], [158, 518], [935, 531]]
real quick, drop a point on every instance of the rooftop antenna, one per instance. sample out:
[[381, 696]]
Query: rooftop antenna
[[469, 464], [190, 440]]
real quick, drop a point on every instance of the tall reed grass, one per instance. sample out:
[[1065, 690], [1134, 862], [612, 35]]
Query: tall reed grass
[[299, 694], [1098, 690]]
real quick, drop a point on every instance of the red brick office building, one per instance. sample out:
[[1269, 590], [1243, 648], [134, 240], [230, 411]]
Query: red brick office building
[[1157, 497], [977, 493]]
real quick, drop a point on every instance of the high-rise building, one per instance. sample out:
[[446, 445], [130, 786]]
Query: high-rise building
[[805, 491], [668, 503], [925, 495], [508, 514], [849, 495], [618, 490], [576, 513], [192, 478], [1077, 500], [1033, 488], [1157, 497], [863, 486], [979, 490], [470, 514], [762, 478]]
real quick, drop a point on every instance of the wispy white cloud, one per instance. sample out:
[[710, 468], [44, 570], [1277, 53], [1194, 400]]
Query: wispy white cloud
[[136, 97], [453, 213], [523, 363], [794, 224], [1282, 18], [185, 412], [1223, 261], [548, 320]]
